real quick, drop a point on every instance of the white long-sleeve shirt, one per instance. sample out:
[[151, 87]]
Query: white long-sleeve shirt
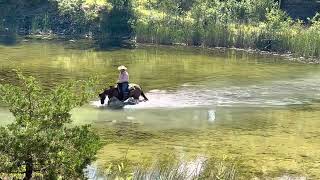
[[123, 77]]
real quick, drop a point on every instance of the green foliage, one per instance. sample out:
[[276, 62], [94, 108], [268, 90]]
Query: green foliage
[[110, 22], [74, 11], [39, 141], [79, 16], [116, 26], [257, 24], [67, 17], [214, 23], [20, 15], [203, 22]]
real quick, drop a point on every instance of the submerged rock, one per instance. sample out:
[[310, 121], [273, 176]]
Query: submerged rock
[[115, 103]]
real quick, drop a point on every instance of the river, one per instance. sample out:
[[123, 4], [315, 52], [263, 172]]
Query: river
[[263, 109]]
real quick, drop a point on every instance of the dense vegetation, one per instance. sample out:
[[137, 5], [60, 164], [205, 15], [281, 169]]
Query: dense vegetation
[[39, 142], [212, 23], [68, 18]]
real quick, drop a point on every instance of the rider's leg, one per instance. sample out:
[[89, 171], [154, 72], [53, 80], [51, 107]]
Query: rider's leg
[[125, 90], [120, 89]]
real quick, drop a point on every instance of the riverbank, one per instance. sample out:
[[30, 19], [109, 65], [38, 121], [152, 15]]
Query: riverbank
[[262, 25], [287, 56], [231, 24], [90, 43]]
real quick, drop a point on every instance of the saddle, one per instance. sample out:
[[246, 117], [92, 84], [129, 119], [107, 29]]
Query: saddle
[[130, 88]]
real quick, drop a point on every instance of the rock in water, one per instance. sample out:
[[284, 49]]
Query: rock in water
[[131, 101], [115, 103]]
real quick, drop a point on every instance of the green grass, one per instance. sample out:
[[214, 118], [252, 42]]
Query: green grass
[[216, 28]]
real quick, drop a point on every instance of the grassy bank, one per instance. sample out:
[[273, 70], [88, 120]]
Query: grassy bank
[[243, 24], [246, 24]]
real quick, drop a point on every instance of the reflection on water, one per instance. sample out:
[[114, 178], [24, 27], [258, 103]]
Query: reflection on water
[[262, 109]]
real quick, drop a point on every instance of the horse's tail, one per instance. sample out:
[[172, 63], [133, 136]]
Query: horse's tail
[[144, 96]]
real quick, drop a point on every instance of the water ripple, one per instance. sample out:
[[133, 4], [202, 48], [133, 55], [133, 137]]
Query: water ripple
[[279, 93]]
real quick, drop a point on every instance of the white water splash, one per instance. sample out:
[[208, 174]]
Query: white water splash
[[98, 104], [211, 115], [279, 93], [192, 168]]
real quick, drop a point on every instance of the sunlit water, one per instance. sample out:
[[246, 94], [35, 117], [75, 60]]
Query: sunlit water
[[261, 109]]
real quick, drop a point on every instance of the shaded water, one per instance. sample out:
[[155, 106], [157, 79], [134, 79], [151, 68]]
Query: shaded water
[[261, 109]]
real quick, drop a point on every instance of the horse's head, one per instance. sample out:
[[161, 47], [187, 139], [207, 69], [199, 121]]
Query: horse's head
[[102, 97], [111, 92]]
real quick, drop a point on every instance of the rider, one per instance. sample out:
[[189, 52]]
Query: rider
[[123, 83]]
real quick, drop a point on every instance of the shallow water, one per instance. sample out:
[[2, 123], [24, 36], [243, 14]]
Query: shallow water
[[262, 109]]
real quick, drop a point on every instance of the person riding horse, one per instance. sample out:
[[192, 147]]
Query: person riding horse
[[123, 83], [122, 91]]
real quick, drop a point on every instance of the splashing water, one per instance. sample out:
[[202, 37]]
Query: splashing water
[[297, 92]]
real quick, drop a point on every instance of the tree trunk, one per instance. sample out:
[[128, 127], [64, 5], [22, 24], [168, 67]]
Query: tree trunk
[[29, 169]]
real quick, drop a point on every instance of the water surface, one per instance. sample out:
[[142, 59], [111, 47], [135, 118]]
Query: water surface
[[262, 109]]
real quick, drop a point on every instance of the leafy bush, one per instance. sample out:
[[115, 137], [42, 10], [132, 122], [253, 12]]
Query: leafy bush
[[39, 143]]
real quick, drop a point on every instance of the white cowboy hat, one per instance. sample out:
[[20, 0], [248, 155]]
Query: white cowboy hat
[[122, 67]]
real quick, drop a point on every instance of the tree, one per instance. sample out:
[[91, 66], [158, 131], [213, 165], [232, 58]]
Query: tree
[[116, 25], [39, 142], [20, 13]]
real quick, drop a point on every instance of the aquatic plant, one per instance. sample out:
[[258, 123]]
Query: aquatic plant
[[168, 166]]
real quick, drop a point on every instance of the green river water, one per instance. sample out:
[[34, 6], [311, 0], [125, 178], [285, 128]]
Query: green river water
[[261, 109]]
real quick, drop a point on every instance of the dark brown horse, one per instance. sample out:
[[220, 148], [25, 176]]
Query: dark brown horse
[[135, 91]]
